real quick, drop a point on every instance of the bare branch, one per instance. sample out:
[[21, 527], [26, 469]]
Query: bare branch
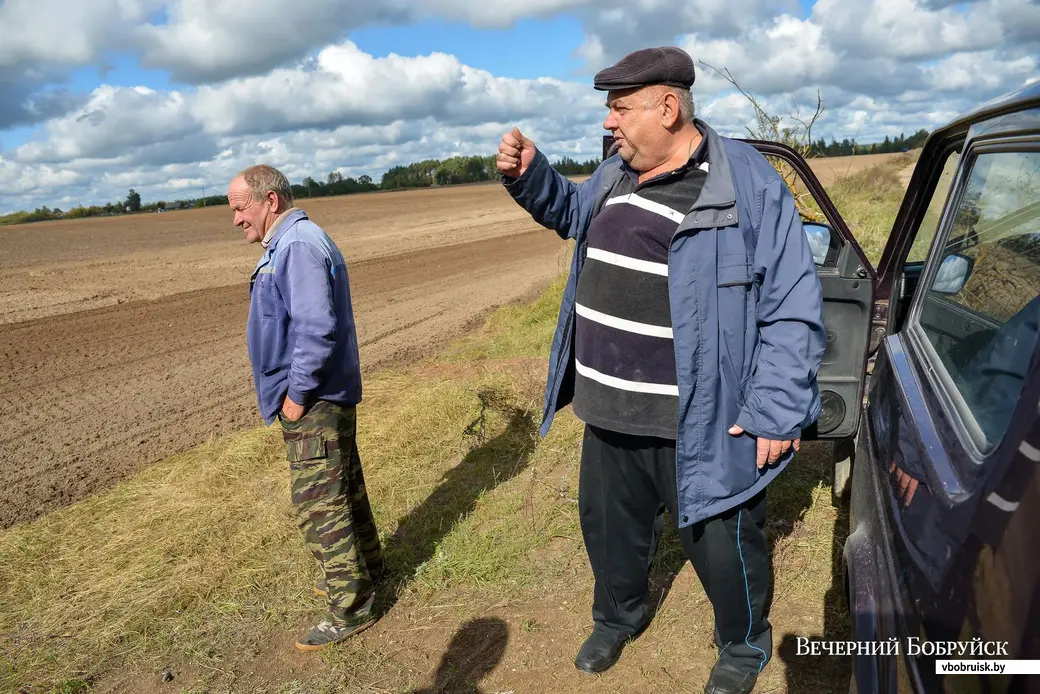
[[797, 136]]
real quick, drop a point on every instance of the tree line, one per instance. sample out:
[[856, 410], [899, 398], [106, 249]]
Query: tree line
[[847, 147], [420, 174]]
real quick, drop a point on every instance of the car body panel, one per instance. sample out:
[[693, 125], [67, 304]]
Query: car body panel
[[938, 567]]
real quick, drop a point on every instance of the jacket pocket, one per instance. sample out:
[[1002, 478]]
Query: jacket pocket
[[734, 289], [268, 299]]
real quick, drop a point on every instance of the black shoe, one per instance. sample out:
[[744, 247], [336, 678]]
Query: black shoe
[[599, 652], [726, 678]]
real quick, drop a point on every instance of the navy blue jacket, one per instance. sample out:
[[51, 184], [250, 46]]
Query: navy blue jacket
[[747, 316], [300, 331]]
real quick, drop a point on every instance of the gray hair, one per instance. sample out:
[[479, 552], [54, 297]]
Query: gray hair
[[262, 179], [685, 97]]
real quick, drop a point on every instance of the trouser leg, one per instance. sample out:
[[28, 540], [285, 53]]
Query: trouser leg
[[327, 490], [620, 516], [365, 531], [730, 556]]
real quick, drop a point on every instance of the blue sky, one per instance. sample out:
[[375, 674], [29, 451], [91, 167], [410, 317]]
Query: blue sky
[[169, 95], [555, 38]]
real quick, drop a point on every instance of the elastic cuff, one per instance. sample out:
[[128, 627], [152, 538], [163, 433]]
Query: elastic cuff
[[298, 397], [745, 422]]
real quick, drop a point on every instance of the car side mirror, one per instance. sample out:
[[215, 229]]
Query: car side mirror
[[819, 240], [953, 274]]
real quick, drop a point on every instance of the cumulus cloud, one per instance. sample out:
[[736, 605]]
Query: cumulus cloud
[[882, 66], [27, 102], [300, 95], [212, 40], [362, 115], [204, 41], [41, 33], [344, 86]]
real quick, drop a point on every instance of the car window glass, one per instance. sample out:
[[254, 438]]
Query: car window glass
[[982, 308], [930, 222]]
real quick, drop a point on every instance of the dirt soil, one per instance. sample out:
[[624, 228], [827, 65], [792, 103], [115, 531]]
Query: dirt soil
[[124, 339]]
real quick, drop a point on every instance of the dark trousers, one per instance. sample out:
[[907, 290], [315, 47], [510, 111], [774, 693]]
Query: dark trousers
[[625, 484]]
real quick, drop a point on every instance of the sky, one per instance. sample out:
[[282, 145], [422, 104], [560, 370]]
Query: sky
[[173, 97]]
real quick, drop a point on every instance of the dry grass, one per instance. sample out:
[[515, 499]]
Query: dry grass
[[197, 561], [155, 563], [199, 550], [868, 201]]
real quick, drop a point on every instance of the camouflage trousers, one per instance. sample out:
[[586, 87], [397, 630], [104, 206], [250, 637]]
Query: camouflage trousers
[[331, 506]]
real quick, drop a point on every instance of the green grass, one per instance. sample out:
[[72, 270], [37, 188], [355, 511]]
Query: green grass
[[868, 201]]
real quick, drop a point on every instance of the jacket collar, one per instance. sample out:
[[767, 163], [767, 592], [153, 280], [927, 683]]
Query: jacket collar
[[281, 223], [716, 206], [718, 186]]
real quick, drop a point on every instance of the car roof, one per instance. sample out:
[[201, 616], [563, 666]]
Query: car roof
[[1019, 100]]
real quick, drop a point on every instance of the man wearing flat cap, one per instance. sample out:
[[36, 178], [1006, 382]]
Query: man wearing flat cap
[[689, 338]]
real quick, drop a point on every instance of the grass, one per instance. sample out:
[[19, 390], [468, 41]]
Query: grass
[[195, 563], [868, 201], [201, 548]]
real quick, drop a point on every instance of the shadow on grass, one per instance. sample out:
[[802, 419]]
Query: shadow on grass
[[788, 499], [474, 652], [824, 674], [490, 463]]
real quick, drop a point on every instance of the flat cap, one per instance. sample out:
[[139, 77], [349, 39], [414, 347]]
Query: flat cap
[[665, 65]]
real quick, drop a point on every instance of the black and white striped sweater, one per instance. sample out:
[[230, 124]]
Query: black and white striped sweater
[[625, 378]]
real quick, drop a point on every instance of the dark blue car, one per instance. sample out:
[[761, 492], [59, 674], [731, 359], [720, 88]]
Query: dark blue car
[[944, 544], [931, 386], [932, 368]]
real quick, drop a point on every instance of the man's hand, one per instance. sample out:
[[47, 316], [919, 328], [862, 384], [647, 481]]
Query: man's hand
[[515, 154], [769, 450], [291, 411]]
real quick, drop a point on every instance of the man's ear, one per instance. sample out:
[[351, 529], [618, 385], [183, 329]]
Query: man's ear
[[272, 197], [670, 113]]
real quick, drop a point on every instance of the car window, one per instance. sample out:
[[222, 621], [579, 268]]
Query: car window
[[981, 310], [930, 222], [818, 231]]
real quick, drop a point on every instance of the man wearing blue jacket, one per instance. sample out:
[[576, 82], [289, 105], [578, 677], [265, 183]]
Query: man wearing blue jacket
[[689, 338], [304, 355]]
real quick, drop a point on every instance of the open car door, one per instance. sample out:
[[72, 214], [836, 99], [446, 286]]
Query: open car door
[[849, 288]]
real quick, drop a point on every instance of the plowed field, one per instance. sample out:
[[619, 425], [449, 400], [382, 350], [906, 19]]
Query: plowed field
[[122, 340]]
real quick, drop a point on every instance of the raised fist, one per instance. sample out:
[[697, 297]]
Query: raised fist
[[515, 154]]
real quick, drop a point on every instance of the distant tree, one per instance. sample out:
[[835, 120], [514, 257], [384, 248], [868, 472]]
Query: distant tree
[[133, 201], [365, 180]]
